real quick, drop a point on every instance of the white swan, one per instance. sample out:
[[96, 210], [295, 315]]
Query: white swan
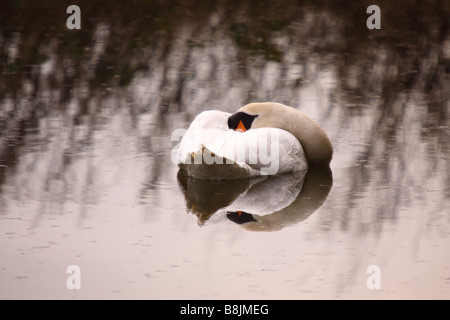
[[210, 150], [219, 145]]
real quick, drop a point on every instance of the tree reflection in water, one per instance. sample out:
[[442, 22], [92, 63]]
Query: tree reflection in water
[[85, 111]]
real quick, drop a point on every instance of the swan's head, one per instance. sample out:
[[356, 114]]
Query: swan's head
[[256, 115], [240, 217], [241, 121], [313, 138]]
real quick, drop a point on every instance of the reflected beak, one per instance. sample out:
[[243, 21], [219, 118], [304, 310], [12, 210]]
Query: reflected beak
[[240, 127]]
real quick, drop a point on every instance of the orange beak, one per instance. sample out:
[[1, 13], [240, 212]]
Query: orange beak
[[239, 213], [240, 127]]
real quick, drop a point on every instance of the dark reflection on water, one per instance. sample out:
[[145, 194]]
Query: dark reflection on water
[[268, 203], [87, 116]]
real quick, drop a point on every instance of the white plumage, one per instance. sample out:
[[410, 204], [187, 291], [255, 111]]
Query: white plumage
[[210, 150]]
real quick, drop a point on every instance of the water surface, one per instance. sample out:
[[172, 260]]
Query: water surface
[[86, 177]]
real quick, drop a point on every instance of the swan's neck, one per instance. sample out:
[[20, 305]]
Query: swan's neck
[[314, 140]]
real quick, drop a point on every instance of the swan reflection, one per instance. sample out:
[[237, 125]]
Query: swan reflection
[[266, 203]]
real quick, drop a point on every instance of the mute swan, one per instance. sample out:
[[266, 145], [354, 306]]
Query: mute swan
[[220, 145], [211, 150]]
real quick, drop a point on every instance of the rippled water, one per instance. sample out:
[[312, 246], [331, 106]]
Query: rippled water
[[86, 177]]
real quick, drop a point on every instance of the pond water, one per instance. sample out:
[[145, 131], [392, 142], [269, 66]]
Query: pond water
[[86, 135]]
